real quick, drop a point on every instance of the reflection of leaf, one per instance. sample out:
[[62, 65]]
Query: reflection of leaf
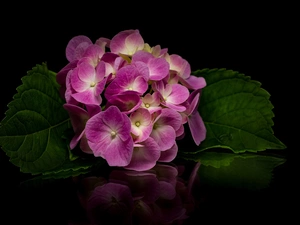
[[237, 112], [69, 169], [213, 159], [74, 168], [249, 171]]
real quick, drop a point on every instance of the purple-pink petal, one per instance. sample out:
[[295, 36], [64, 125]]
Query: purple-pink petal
[[164, 136], [142, 69], [73, 45], [194, 82], [127, 78], [127, 102], [134, 42], [119, 152], [142, 56], [94, 53], [197, 127], [100, 87], [145, 157], [80, 50], [77, 84], [69, 89], [103, 42], [84, 145], [178, 108], [178, 95], [112, 117], [86, 73], [78, 117], [180, 65], [169, 117], [108, 134], [62, 74], [88, 97], [169, 154], [126, 42], [159, 68], [141, 124]]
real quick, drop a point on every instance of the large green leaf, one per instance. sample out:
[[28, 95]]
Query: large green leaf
[[237, 113], [31, 132]]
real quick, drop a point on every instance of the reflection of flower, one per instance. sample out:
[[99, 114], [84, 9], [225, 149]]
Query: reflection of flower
[[156, 196], [135, 99]]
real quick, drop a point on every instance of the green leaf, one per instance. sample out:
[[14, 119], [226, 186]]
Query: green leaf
[[242, 171], [31, 132], [237, 113]]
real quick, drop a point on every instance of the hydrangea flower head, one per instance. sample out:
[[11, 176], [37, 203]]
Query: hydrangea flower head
[[129, 102]]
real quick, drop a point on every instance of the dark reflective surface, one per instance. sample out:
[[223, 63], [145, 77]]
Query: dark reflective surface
[[183, 192]]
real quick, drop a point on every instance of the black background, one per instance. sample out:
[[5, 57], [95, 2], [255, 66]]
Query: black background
[[256, 40]]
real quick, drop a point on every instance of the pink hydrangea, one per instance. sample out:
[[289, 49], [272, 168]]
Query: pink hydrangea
[[129, 102]]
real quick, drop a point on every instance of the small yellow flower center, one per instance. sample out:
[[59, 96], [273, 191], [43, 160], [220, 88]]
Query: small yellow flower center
[[130, 89], [137, 123], [147, 105], [113, 134], [92, 84]]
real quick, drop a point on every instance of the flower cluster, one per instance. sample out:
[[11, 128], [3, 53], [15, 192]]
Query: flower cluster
[[128, 102]]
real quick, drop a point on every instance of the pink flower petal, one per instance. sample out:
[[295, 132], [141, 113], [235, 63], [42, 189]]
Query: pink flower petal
[[87, 97], [144, 158], [197, 127], [108, 135], [62, 74], [78, 117], [127, 42], [92, 55], [77, 84], [133, 43], [119, 152], [80, 50], [170, 117], [126, 80], [103, 42], [127, 102], [84, 145], [86, 73], [169, 155], [69, 89], [180, 65], [159, 68], [178, 95], [142, 56], [164, 136], [73, 44], [141, 124], [178, 108], [194, 82], [142, 69]]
